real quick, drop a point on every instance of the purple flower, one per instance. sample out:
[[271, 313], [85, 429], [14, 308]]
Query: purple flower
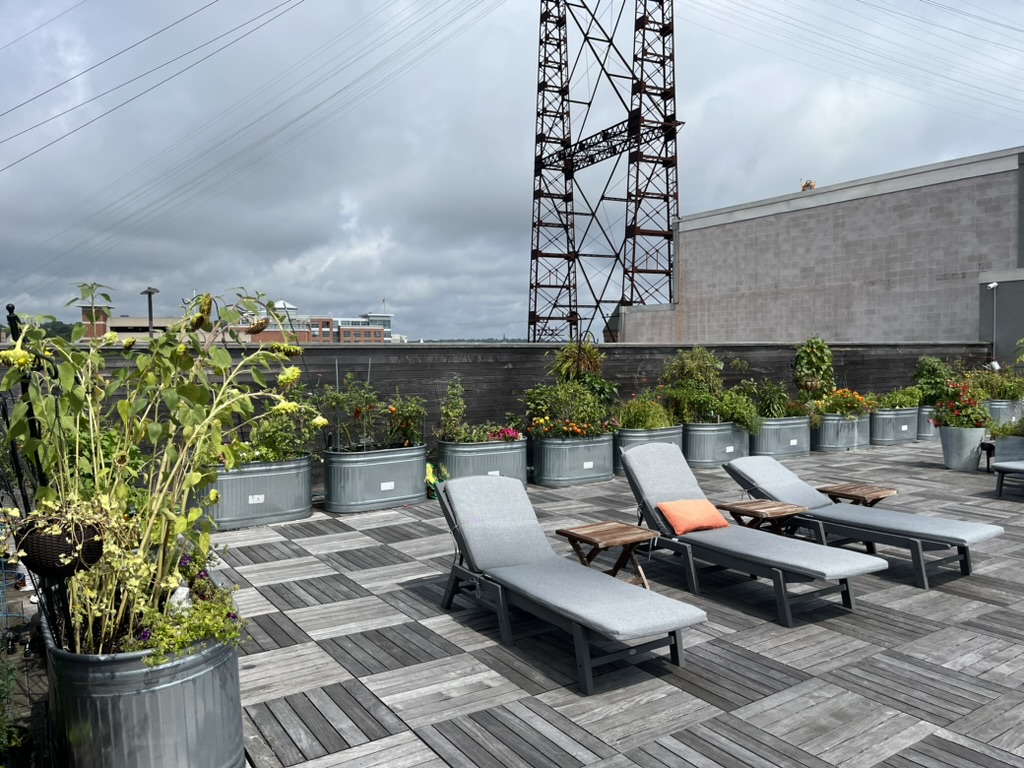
[[185, 562], [144, 635], [233, 616], [203, 574]]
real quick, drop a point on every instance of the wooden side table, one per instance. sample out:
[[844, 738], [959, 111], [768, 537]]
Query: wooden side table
[[857, 493], [604, 536], [761, 512]]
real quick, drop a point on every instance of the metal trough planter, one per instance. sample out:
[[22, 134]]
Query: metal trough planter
[[893, 426], [627, 438], [837, 433], [263, 493], [1004, 411], [113, 711], [505, 458], [925, 429], [789, 436], [961, 447], [559, 463], [361, 481], [711, 445]]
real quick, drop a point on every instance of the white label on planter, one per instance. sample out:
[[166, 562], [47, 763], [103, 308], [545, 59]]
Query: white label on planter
[[494, 473], [256, 498], [729, 449], [388, 486], [588, 465], [903, 427], [794, 441]]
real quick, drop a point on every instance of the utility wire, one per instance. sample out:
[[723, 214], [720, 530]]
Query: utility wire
[[36, 29]]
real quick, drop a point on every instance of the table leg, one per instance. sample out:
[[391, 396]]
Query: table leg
[[629, 555]]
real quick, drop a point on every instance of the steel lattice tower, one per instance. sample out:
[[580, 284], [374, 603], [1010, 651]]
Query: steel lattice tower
[[602, 237]]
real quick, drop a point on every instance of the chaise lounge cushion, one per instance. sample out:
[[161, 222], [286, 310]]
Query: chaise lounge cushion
[[925, 527], [1009, 467], [613, 608]]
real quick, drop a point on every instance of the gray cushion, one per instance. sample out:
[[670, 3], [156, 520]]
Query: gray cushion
[[1008, 467], [661, 473], [774, 481], [938, 529], [497, 522], [613, 608], [793, 555]]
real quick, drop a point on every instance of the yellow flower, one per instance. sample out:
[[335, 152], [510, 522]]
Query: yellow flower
[[319, 422], [285, 406], [288, 377]]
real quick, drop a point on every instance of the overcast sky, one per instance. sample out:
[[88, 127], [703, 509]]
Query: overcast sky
[[346, 153]]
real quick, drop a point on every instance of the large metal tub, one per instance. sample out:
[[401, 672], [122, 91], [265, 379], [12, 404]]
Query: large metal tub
[[789, 436], [1004, 411], [627, 438], [961, 447], [365, 480], [262, 493], [504, 458], [559, 463], [115, 712], [837, 433], [893, 426], [711, 445], [925, 429]]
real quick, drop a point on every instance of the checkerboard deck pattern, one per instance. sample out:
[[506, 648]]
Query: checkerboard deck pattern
[[351, 662]]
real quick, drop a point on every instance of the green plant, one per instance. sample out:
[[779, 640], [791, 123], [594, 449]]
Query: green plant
[[452, 427], [692, 404], [908, 397], [813, 371], [567, 409], [1008, 429], [130, 449], [698, 367], [11, 736], [576, 360], [1004, 384], [642, 411], [960, 406], [358, 420], [930, 375], [286, 430], [843, 402], [771, 398]]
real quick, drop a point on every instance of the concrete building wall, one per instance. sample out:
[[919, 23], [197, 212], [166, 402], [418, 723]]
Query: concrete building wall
[[890, 259]]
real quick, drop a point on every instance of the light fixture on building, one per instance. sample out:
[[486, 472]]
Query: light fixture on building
[[148, 293]]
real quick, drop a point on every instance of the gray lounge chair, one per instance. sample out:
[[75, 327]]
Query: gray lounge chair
[[1009, 459], [505, 561], [765, 478], [658, 472]]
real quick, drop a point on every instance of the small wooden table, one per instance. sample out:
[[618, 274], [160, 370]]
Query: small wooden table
[[603, 536], [762, 512], [857, 493]]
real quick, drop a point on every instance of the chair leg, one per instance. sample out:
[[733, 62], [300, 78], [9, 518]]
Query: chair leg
[[676, 647], [917, 558], [450, 590], [584, 667], [690, 572], [504, 620], [847, 594], [999, 483], [782, 598], [965, 560]]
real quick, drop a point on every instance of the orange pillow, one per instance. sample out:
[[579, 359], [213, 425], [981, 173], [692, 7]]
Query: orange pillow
[[687, 515]]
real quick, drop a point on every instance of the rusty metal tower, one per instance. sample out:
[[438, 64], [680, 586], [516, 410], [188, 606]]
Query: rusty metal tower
[[603, 200]]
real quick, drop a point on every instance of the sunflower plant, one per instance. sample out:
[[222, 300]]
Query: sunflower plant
[[123, 436]]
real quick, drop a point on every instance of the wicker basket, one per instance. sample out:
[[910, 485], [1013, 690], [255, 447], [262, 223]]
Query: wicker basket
[[46, 553]]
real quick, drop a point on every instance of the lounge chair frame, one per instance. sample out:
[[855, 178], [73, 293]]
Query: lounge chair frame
[[465, 578]]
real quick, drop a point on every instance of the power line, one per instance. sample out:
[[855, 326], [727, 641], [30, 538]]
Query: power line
[[36, 29]]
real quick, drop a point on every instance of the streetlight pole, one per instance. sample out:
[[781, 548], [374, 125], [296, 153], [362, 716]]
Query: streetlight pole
[[148, 293], [992, 287]]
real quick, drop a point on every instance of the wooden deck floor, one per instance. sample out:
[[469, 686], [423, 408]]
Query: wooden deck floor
[[352, 663]]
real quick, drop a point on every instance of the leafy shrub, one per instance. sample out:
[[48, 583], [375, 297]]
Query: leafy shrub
[[813, 371], [843, 402], [699, 367], [908, 397], [359, 420], [567, 409], [960, 406], [930, 375], [643, 411]]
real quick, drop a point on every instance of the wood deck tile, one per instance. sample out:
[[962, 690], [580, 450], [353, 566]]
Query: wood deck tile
[[997, 723], [366, 520], [809, 647], [250, 602], [1007, 624], [366, 557], [974, 653], [336, 542], [316, 591], [270, 552], [270, 631], [346, 617], [390, 577], [278, 673], [420, 599], [437, 545], [403, 750], [389, 648], [321, 524], [285, 570], [410, 531], [246, 537], [950, 749]]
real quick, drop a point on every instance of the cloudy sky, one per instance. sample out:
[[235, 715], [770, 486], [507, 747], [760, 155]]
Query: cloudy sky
[[340, 154]]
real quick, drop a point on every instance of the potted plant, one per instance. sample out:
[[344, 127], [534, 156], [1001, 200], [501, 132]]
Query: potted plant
[[962, 422], [930, 375], [465, 450], [376, 457], [1002, 391], [135, 663], [643, 419], [813, 371], [894, 421], [272, 480], [716, 421], [840, 421], [785, 424]]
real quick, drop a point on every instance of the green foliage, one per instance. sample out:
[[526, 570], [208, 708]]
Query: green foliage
[[692, 404], [1008, 429], [452, 428], [642, 411], [10, 735], [697, 366], [842, 402], [359, 420], [575, 360], [771, 398], [128, 450], [908, 397], [930, 375], [960, 406], [813, 371], [567, 409], [285, 431], [1004, 384]]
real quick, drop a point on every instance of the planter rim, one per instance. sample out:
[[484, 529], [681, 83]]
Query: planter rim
[[894, 410], [471, 442], [602, 436], [631, 431], [259, 465], [396, 449]]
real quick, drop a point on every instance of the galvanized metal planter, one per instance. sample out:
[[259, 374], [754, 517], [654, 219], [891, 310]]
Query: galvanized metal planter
[[788, 436], [262, 493], [836, 433], [1004, 411], [961, 447], [711, 445], [361, 481], [559, 463], [115, 712], [506, 458], [893, 426], [627, 438], [925, 429]]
